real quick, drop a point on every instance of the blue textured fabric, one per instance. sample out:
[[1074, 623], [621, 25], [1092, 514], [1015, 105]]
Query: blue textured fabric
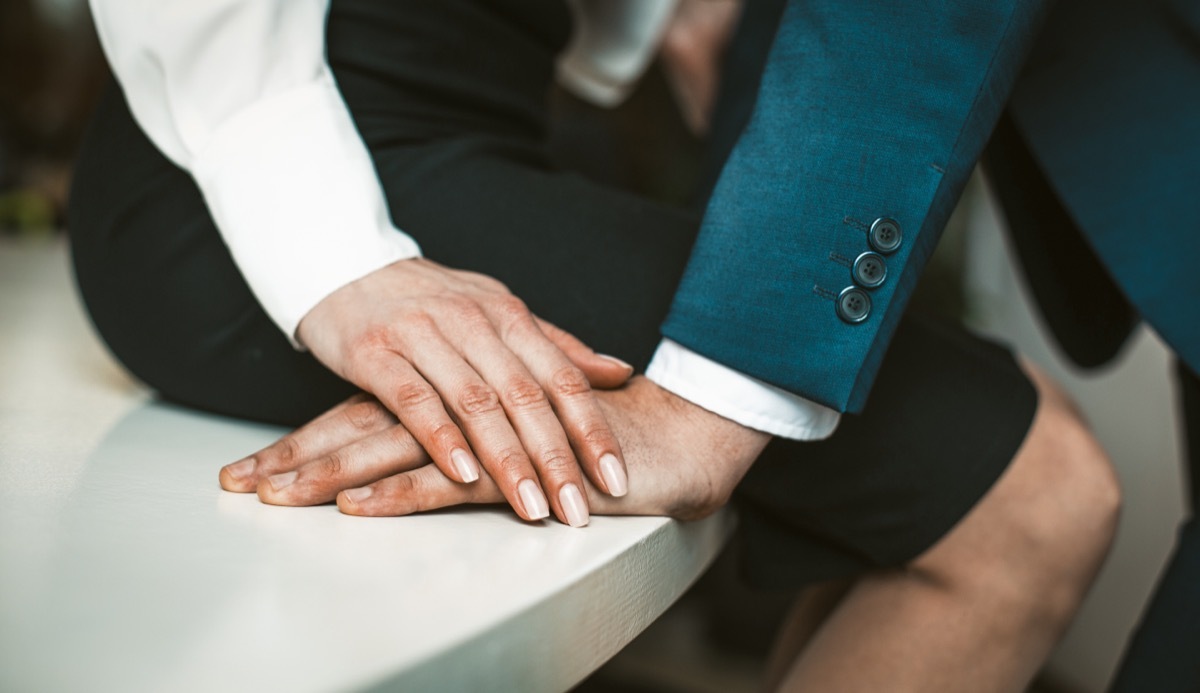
[[866, 110], [1110, 107]]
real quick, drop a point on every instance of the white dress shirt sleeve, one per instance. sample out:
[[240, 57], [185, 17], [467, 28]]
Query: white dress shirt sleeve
[[613, 44], [737, 396], [238, 93]]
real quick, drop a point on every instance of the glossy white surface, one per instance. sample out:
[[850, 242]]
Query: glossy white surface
[[124, 567]]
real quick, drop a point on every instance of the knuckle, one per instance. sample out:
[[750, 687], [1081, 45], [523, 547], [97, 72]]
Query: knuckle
[[404, 484], [408, 326], [477, 398], [413, 395], [462, 307], [557, 461], [523, 393], [512, 304], [511, 462], [569, 381], [416, 317], [445, 434], [365, 416], [512, 310], [400, 491], [471, 314], [374, 338], [333, 464], [598, 434], [286, 452]]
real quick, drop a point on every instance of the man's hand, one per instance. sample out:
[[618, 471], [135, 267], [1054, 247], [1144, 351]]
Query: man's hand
[[683, 460], [474, 377]]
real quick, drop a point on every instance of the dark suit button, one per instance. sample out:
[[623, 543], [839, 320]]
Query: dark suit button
[[853, 305], [870, 269], [885, 235]]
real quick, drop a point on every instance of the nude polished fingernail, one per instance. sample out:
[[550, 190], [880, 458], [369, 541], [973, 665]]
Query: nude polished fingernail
[[358, 495], [616, 360], [614, 475], [467, 470], [573, 506], [536, 506], [241, 469], [282, 481]]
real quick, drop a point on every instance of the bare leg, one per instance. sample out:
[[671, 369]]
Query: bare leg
[[980, 610], [809, 612]]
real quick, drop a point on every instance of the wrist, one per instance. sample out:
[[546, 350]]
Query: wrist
[[728, 439]]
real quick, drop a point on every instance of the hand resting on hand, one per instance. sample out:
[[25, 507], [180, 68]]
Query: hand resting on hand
[[683, 461], [475, 378]]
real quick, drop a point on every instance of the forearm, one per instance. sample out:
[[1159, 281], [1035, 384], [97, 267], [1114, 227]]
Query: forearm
[[238, 93], [866, 113]]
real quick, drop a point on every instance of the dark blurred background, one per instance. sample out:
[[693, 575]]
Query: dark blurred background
[[51, 72]]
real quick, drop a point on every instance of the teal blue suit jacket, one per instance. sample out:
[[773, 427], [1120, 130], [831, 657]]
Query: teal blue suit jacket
[[880, 110], [1108, 106], [866, 111]]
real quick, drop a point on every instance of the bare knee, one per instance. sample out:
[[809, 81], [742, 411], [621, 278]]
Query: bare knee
[[1077, 511], [1033, 544]]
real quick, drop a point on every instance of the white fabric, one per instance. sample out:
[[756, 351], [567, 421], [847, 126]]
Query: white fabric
[[238, 93], [737, 396], [614, 42]]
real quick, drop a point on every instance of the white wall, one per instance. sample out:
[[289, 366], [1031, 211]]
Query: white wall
[[1132, 408]]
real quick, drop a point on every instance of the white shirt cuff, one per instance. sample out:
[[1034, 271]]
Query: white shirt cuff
[[737, 396], [291, 186]]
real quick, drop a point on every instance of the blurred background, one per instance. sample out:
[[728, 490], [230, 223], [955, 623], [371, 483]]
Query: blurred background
[[51, 72], [715, 639]]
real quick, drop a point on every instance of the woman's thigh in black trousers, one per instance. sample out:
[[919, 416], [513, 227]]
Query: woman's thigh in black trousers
[[166, 297]]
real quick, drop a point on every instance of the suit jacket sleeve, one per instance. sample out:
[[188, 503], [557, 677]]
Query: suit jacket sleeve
[[866, 111]]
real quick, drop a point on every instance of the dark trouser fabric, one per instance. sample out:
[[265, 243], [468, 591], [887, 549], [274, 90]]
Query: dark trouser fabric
[[456, 131], [1162, 655]]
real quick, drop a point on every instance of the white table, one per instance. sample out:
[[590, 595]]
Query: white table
[[124, 567]]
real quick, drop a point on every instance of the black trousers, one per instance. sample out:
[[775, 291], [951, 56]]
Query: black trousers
[[457, 131]]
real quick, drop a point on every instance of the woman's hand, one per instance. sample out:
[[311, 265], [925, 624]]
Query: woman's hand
[[475, 378], [685, 461]]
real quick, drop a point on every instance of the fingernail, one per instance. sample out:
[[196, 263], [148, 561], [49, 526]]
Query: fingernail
[[467, 470], [616, 360], [358, 495], [241, 469], [614, 475], [573, 505], [533, 499], [282, 481]]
